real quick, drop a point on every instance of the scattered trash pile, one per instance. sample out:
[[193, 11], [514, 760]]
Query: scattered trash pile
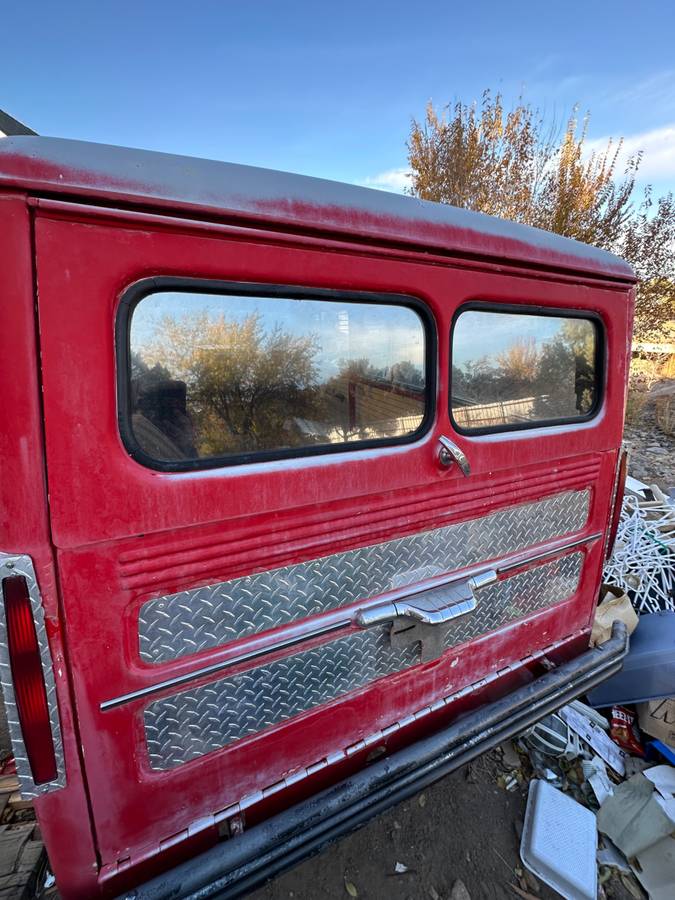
[[601, 773]]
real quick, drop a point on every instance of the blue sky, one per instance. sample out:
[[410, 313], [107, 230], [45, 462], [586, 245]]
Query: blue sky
[[329, 89]]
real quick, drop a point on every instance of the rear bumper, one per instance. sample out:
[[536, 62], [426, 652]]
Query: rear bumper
[[239, 865]]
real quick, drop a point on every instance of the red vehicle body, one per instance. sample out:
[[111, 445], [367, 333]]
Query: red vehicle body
[[153, 785]]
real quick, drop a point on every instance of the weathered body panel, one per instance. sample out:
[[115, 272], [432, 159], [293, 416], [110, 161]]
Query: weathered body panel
[[262, 196], [204, 627]]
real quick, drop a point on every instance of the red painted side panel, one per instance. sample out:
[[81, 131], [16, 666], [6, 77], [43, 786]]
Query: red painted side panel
[[124, 533], [24, 529]]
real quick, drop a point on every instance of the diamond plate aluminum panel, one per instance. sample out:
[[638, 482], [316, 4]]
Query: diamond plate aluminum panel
[[206, 617], [191, 723], [10, 565]]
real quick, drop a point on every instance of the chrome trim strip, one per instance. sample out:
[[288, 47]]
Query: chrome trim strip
[[210, 616], [514, 563], [225, 664], [201, 719], [509, 563], [16, 564]]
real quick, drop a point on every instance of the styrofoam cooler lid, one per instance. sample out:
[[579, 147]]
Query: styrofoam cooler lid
[[559, 842]]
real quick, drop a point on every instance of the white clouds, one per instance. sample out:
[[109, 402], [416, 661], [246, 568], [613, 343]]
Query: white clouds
[[390, 180], [659, 151], [658, 147], [653, 92]]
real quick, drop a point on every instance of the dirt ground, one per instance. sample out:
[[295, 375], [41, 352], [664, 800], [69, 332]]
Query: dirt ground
[[651, 452], [463, 828], [651, 449]]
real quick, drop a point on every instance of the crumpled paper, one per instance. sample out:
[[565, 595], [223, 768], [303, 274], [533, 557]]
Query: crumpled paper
[[614, 606]]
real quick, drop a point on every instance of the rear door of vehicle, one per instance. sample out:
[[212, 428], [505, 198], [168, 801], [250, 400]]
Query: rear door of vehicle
[[243, 451]]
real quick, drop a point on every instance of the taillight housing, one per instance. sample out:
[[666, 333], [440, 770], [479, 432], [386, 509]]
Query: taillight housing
[[615, 516], [30, 692]]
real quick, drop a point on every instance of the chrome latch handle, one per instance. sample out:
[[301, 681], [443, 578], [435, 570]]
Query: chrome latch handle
[[450, 453], [434, 606]]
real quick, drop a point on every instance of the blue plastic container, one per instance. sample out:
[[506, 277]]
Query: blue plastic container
[[649, 668]]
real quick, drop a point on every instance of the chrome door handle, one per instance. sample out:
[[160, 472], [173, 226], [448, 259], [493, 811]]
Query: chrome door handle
[[450, 453], [434, 606]]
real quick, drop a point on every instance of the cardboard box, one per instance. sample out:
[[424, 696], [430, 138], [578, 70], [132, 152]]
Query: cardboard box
[[657, 718]]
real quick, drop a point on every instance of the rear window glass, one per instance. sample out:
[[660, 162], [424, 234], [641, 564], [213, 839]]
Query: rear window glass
[[519, 370], [227, 376]]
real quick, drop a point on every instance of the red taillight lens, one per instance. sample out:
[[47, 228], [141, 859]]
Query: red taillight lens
[[615, 518], [29, 685]]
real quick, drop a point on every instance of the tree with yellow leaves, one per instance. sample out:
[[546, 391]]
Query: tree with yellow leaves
[[510, 163]]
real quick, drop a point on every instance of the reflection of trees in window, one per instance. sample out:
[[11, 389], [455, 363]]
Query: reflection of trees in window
[[407, 375], [567, 371], [519, 363], [526, 381], [241, 379], [208, 386]]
